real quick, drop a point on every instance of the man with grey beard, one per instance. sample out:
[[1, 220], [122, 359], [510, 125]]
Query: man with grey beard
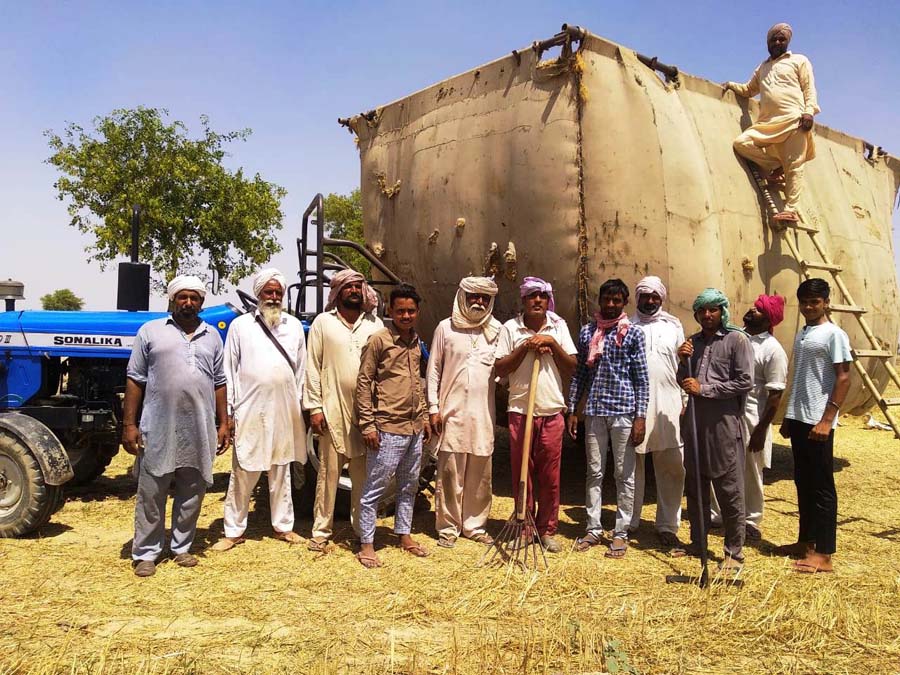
[[265, 358], [461, 407]]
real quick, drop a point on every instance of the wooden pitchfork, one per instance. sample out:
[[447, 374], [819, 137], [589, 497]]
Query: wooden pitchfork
[[517, 544]]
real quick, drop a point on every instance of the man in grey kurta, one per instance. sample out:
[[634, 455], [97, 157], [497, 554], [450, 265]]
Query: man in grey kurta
[[176, 371], [721, 360]]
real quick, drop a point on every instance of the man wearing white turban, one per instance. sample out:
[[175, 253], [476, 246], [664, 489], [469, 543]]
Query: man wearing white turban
[[461, 408], [780, 142], [336, 339], [176, 379], [663, 335], [265, 359]]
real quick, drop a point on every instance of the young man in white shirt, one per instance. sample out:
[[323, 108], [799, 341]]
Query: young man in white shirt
[[818, 389]]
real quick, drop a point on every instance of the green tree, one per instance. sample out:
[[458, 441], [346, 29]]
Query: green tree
[[343, 220], [191, 204], [62, 299]]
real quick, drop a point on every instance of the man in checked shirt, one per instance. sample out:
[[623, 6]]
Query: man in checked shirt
[[612, 370]]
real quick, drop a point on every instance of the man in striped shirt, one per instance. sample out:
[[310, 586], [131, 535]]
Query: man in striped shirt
[[612, 370]]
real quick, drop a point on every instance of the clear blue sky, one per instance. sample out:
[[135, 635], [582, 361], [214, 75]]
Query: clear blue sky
[[288, 70]]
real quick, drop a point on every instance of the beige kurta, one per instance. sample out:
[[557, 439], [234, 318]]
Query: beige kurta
[[461, 388], [334, 350], [787, 90]]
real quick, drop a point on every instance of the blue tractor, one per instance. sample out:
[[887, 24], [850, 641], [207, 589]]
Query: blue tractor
[[62, 376]]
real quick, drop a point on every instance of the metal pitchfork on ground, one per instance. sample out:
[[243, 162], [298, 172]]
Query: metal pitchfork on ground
[[517, 544]]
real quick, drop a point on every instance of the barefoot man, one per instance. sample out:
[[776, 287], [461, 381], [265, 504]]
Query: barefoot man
[[818, 389]]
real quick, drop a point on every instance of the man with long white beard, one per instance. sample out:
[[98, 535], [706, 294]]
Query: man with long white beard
[[461, 408], [265, 358], [663, 335]]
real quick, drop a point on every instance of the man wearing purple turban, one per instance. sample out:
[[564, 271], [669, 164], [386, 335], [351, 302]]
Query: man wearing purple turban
[[537, 333], [780, 142]]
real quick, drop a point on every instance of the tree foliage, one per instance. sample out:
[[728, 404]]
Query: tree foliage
[[192, 205], [62, 299], [343, 220]]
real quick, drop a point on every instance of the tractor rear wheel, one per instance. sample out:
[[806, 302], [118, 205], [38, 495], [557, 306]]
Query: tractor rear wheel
[[26, 501], [89, 456]]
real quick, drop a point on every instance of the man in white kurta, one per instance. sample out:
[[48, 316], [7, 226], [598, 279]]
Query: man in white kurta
[[663, 334], [265, 387], [335, 343], [780, 142], [461, 408], [770, 366]]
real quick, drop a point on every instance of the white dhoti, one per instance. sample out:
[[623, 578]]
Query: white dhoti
[[240, 489], [790, 154]]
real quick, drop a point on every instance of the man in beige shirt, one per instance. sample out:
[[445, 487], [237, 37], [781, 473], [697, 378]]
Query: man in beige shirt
[[335, 342], [781, 140], [461, 407]]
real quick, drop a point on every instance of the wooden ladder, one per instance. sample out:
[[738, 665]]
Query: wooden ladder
[[876, 350]]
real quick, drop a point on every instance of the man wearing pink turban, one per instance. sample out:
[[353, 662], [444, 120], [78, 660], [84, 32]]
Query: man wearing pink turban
[[537, 333], [780, 142], [770, 365]]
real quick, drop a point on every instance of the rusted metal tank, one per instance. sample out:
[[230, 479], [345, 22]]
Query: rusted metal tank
[[603, 163]]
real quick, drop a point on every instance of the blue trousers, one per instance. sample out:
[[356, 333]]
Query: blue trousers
[[399, 456]]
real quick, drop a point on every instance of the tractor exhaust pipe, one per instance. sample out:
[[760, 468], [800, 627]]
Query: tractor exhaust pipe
[[134, 277]]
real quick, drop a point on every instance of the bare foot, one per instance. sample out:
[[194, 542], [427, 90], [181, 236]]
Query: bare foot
[[814, 562], [797, 550]]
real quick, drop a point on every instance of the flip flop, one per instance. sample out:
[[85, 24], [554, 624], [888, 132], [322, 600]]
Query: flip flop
[[417, 550], [446, 541], [586, 542], [368, 561], [226, 544], [616, 551], [482, 538]]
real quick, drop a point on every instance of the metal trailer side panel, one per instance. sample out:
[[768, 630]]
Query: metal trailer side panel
[[494, 147]]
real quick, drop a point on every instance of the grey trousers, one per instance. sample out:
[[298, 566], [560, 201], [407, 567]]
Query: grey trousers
[[729, 491], [150, 512]]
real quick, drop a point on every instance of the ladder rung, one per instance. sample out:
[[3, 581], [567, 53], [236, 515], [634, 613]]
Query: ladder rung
[[889, 401], [874, 353], [850, 309], [821, 266], [799, 226]]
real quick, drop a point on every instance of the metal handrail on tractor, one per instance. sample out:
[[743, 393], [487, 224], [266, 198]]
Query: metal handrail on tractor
[[325, 261]]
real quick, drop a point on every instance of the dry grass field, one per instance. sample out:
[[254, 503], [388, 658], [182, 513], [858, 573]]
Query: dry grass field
[[70, 603]]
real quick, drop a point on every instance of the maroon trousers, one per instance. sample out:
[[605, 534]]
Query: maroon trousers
[[543, 466]]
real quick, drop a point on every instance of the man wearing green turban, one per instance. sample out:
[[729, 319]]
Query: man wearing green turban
[[721, 367]]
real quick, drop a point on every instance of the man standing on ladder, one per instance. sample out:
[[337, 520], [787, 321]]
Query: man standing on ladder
[[780, 142]]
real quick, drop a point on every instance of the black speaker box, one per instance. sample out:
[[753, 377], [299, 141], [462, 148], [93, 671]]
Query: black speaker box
[[134, 287]]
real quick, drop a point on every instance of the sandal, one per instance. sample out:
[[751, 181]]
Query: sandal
[[805, 568], [417, 550], [586, 542], [226, 544], [482, 538], [317, 545], [617, 551], [446, 541], [670, 542], [788, 216], [368, 561], [289, 537]]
